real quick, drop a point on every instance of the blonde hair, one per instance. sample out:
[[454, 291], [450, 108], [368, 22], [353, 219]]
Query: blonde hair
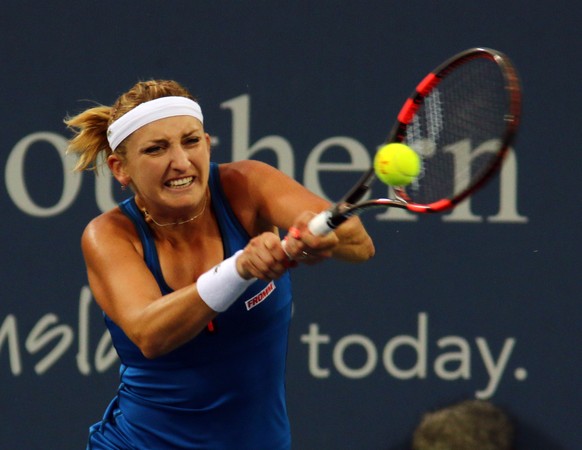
[[90, 126], [471, 424]]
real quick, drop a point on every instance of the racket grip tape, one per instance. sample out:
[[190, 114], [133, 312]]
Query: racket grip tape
[[321, 224], [318, 226]]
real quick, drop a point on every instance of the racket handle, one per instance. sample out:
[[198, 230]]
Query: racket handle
[[323, 223], [320, 225]]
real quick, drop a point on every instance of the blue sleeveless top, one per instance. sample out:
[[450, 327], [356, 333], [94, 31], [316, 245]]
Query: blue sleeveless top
[[221, 390]]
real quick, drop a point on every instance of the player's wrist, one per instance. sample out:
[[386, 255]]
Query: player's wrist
[[221, 286], [243, 273]]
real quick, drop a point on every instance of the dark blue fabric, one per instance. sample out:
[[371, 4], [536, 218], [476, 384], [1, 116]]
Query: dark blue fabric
[[222, 390]]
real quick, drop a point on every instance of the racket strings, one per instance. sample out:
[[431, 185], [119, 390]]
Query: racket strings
[[458, 130]]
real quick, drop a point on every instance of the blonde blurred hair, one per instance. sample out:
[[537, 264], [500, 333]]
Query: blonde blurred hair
[[90, 126], [468, 425]]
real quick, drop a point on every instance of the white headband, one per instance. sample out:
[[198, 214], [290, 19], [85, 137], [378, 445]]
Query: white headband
[[149, 112]]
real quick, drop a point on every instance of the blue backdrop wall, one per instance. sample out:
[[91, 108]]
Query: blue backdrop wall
[[483, 302]]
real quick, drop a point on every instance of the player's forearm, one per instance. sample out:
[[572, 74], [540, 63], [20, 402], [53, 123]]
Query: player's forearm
[[170, 322]]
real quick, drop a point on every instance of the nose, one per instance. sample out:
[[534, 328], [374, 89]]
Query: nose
[[179, 158]]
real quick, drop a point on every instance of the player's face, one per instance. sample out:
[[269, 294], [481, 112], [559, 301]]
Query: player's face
[[168, 162]]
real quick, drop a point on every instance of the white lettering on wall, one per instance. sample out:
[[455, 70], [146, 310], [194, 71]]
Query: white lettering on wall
[[313, 341], [359, 156], [240, 108], [39, 337], [462, 357], [495, 370], [463, 154], [453, 363], [55, 338], [417, 343], [369, 348], [9, 333], [16, 184]]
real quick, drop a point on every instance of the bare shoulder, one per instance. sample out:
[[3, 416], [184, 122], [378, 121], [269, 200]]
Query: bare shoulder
[[261, 193], [246, 183], [108, 231], [258, 178], [248, 169]]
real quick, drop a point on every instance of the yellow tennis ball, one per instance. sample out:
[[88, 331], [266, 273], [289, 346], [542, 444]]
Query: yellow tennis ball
[[396, 164]]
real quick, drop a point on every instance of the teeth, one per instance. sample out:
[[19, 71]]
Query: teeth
[[180, 183]]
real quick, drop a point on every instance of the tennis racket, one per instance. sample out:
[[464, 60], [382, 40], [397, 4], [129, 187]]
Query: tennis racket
[[461, 120]]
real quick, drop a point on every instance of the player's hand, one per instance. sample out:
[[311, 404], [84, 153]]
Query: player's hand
[[304, 247], [263, 258]]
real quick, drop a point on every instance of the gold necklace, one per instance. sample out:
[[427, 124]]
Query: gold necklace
[[148, 217]]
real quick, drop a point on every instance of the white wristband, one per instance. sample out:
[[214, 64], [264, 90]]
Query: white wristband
[[222, 285]]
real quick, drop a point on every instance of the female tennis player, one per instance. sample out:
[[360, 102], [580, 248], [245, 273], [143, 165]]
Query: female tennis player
[[192, 276]]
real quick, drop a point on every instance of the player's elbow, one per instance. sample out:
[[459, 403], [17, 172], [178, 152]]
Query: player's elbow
[[151, 352], [148, 344]]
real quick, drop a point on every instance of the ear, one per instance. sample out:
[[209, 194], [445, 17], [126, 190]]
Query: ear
[[208, 142], [117, 167]]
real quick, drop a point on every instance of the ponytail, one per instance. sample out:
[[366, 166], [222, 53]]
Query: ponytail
[[90, 139]]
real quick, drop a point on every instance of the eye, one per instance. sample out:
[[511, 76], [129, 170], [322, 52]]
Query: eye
[[152, 149], [191, 140]]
